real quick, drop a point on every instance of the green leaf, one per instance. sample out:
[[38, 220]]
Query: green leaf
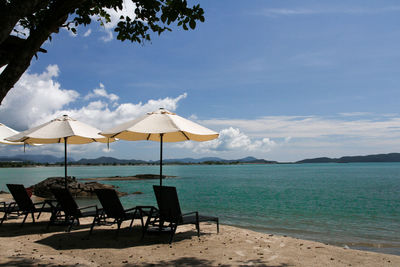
[[192, 24]]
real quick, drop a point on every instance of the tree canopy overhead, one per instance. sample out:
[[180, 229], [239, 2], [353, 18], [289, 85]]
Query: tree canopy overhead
[[41, 18]]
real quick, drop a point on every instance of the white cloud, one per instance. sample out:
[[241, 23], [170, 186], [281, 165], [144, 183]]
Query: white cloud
[[108, 37], [101, 92], [34, 98], [230, 139], [275, 12], [87, 33], [128, 10], [38, 98], [315, 126]]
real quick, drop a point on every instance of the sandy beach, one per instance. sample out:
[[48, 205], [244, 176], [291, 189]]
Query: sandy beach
[[34, 245]]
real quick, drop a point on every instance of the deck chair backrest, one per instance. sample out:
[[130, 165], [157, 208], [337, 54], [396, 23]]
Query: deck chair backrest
[[111, 204], [18, 191], [168, 203], [66, 201]]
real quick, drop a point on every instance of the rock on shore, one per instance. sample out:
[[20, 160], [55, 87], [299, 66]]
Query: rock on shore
[[43, 189]]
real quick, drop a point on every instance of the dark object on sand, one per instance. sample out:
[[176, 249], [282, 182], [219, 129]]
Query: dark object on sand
[[169, 211], [77, 189], [69, 210], [113, 209], [8, 208], [25, 206]]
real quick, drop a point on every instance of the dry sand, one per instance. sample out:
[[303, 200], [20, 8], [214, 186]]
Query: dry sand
[[34, 245]]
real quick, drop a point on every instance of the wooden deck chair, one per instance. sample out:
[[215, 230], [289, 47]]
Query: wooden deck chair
[[25, 205], [113, 209], [69, 208], [169, 211]]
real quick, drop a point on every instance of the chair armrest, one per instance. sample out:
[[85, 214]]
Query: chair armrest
[[88, 207], [190, 213], [134, 208], [51, 202], [152, 210], [39, 203]]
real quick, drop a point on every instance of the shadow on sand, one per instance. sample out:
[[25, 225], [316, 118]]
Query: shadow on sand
[[108, 238], [11, 229], [184, 261]]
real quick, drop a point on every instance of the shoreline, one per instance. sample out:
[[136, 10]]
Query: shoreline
[[382, 248], [33, 245], [385, 249]]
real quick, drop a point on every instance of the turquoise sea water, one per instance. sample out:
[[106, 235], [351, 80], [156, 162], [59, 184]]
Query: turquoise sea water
[[357, 205]]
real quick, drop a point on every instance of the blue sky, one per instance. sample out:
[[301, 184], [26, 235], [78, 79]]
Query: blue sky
[[280, 80]]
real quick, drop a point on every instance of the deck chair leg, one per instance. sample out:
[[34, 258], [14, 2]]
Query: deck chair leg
[[217, 226], [33, 216], [173, 230], [23, 221], [144, 228], [92, 226], [70, 225], [53, 218], [4, 218], [119, 226], [198, 229], [130, 226]]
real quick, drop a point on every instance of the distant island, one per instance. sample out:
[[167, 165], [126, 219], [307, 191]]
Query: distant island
[[391, 157], [49, 160]]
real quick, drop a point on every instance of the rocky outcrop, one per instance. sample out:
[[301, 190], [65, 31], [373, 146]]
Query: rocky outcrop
[[43, 189], [128, 178]]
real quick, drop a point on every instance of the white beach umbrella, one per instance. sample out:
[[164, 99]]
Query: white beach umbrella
[[161, 126], [7, 132], [61, 130]]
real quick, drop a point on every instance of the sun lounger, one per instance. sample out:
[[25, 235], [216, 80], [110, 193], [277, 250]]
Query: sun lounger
[[113, 209], [8, 208], [169, 211], [68, 208], [25, 205]]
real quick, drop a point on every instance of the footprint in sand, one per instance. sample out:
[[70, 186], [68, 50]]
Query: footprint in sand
[[240, 253], [249, 241], [282, 245]]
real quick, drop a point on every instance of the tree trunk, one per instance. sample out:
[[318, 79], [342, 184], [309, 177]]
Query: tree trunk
[[10, 14], [55, 17]]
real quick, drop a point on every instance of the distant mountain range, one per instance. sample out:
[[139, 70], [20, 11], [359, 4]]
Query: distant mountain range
[[391, 157], [43, 159], [110, 160], [36, 158]]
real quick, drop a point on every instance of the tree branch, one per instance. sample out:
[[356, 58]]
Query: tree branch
[[54, 18], [11, 13]]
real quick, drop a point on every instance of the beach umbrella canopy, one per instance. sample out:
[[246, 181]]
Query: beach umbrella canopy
[[7, 132], [61, 130], [161, 126]]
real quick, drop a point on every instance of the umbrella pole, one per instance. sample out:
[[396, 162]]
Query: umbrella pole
[[65, 162], [161, 146]]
